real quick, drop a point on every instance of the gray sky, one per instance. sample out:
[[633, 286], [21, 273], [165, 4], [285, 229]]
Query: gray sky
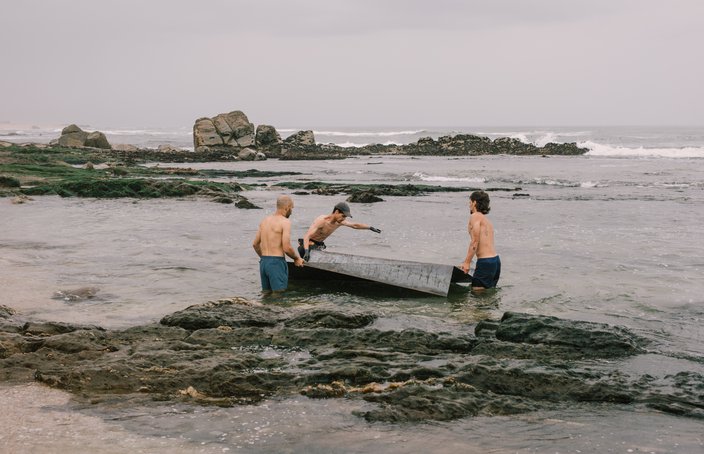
[[353, 63]]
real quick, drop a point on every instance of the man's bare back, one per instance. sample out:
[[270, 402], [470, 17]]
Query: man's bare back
[[481, 227], [323, 226], [273, 237], [481, 244], [272, 242]]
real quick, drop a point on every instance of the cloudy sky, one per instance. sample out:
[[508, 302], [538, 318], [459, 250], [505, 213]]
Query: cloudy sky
[[307, 63]]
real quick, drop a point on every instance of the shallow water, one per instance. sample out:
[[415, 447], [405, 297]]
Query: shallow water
[[612, 240]]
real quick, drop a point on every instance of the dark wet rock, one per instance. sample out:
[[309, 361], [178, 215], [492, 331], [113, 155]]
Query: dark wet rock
[[458, 145], [362, 192], [9, 182], [364, 197], [300, 139], [268, 141], [330, 319], [587, 337], [53, 328], [237, 352], [134, 188], [486, 328], [234, 313], [417, 402], [246, 204]]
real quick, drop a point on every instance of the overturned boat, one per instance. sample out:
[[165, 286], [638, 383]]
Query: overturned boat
[[430, 278]]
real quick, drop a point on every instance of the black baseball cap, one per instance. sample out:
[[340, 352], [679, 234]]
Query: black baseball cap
[[343, 208]]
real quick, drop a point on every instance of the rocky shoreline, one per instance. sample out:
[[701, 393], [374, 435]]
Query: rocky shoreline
[[234, 351], [84, 164], [27, 171]]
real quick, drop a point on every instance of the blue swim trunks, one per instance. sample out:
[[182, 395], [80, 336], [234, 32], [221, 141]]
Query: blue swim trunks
[[487, 272], [274, 273]]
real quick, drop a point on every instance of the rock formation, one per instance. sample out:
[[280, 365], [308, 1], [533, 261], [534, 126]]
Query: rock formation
[[74, 137], [233, 132], [268, 141], [212, 354], [229, 130]]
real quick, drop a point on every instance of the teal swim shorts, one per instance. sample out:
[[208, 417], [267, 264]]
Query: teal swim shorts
[[273, 272]]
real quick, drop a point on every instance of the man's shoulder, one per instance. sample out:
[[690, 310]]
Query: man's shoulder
[[276, 219]]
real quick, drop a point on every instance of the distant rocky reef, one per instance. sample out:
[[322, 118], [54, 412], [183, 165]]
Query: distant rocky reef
[[233, 131], [232, 137]]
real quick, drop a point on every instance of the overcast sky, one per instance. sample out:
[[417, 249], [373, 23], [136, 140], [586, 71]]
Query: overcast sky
[[310, 63]]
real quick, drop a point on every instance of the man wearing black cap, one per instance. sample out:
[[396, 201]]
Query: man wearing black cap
[[325, 225]]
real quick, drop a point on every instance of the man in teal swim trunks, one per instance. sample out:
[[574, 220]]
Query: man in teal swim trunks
[[273, 240], [481, 231]]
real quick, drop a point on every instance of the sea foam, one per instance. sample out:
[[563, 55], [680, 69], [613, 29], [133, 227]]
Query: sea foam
[[423, 177], [597, 149]]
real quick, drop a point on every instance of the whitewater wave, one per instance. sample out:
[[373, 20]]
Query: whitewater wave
[[597, 149], [424, 177], [537, 137], [146, 132], [360, 145], [369, 133]]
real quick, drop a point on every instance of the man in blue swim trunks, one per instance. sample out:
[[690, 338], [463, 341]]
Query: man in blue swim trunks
[[273, 240], [481, 232]]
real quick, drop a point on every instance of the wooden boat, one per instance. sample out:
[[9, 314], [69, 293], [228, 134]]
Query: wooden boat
[[430, 278]]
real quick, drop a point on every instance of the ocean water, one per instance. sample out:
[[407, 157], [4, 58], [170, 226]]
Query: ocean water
[[609, 237]]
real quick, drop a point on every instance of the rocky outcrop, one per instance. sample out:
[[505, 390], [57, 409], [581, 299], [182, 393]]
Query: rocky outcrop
[[229, 130], [365, 193], [364, 197], [74, 137], [300, 139], [234, 132], [235, 351], [299, 148], [268, 141]]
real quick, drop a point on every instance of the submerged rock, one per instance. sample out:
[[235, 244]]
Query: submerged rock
[[236, 351], [364, 197]]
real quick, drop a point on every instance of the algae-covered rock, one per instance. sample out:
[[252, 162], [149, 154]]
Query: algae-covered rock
[[9, 182], [235, 351]]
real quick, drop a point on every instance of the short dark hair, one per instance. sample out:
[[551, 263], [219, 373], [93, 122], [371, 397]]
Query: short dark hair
[[482, 199]]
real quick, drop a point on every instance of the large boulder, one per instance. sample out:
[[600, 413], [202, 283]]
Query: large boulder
[[247, 154], [205, 134], [242, 129], [300, 139], [97, 140], [268, 141], [226, 130], [73, 136], [70, 128]]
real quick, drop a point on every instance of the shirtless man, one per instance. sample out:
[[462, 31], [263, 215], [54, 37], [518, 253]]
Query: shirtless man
[[481, 232], [273, 240], [325, 225]]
